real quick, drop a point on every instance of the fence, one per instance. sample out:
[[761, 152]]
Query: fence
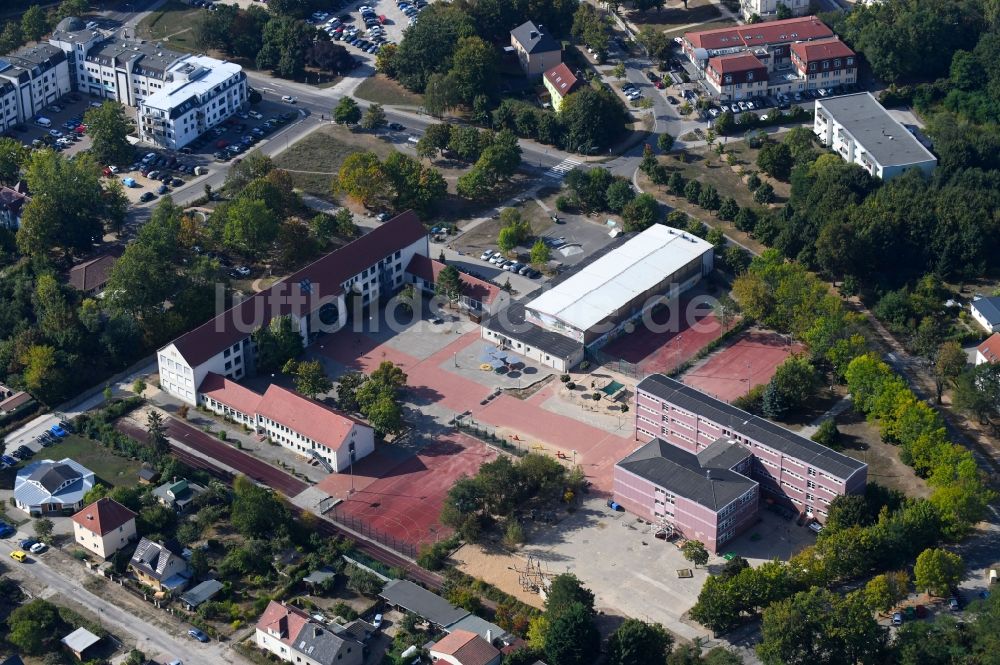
[[631, 370], [360, 526]]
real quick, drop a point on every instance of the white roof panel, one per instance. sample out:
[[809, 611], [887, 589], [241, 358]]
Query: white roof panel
[[602, 287]]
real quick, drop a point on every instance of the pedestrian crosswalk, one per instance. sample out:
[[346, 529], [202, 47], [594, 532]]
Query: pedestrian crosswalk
[[559, 171]]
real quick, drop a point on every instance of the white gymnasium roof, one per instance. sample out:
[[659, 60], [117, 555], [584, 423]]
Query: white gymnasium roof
[[599, 289]]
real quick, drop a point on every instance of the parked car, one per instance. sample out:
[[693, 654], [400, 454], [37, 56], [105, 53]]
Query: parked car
[[6, 530], [897, 618], [198, 635], [58, 431], [19, 556], [485, 256], [26, 543], [147, 196], [242, 271], [377, 621], [953, 604]]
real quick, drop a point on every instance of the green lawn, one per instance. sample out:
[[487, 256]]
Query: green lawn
[[382, 90], [173, 24], [312, 161], [110, 468]]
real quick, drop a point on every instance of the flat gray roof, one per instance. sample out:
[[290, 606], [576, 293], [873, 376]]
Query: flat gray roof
[[764, 431], [888, 142], [420, 601]]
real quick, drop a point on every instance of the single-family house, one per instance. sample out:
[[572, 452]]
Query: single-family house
[[156, 566], [537, 51], [49, 487], [463, 647], [13, 401], [90, 276], [989, 350], [559, 81], [986, 312], [178, 494], [294, 637], [104, 527]]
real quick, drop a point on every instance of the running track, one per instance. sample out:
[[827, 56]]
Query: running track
[[265, 473]]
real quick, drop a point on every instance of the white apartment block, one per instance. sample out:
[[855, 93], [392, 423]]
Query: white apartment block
[[31, 78], [199, 93], [862, 132], [178, 96], [768, 9], [318, 298]]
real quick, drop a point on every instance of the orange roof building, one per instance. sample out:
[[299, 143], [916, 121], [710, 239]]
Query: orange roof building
[[463, 647], [104, 527]]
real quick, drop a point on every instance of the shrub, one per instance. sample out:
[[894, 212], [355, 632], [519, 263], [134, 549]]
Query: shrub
[[827, 434], [563, 203], [221, 434], [564, 378], [597, 397], [570, 385]]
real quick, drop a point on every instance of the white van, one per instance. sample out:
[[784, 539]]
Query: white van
[[993, 576], [43, 122]]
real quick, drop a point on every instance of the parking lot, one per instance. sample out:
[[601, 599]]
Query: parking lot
[[64, 132], [366, 26]]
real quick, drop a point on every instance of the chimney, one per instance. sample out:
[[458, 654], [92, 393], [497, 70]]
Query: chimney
[[533, 35], [708, 474]]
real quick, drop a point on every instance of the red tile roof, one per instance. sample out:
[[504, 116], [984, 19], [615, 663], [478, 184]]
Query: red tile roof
[[990, 349], [104, 516], [740, 62], [467, 648], [759, 34], [284, 620], [92, 274], [306, 416], [323, 278], [822, 49], [428, 270], [562, 79], [230, 393]]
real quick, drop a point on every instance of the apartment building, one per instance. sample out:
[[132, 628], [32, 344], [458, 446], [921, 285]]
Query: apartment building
[[317, 299], [768, 9], [178, 96], [31, 78], [786, 56], [198, 94], [789, 468], [861, 131]]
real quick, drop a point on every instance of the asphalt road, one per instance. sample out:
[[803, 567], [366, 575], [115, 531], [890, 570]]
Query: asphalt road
[[151, 639]]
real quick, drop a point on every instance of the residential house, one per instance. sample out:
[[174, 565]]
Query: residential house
[[989, 350], [12, 202], [13, 401], [478, 297], [48, 487], [986, 312], [560, 82], [104, 527], [768, 9], [463, 647], [90, 276], [158, 567], [178, 494], [294, 637], [537, 51]]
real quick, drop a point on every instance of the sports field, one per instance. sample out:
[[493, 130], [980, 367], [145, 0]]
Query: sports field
[[750, 360]]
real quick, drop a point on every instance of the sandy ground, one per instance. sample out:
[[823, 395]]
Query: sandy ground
[[497, 569]]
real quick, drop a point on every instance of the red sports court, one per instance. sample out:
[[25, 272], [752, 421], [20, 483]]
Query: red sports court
[[749, 361]]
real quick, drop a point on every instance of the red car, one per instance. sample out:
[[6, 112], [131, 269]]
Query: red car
[[382, 18], [221, 143], [106, 171], [659, 85]]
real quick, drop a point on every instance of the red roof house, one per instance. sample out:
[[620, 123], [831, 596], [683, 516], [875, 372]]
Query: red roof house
[[478, 296], [989, 350], [462, 647]]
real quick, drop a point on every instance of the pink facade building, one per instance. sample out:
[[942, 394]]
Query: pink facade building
[[739, 456]]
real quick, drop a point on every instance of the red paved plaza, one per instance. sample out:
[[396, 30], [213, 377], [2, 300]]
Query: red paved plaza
[[405, 502]]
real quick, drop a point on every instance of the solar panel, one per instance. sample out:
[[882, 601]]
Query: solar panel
[[4, 65]]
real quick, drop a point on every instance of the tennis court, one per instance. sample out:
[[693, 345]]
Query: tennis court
[[750, 360]]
